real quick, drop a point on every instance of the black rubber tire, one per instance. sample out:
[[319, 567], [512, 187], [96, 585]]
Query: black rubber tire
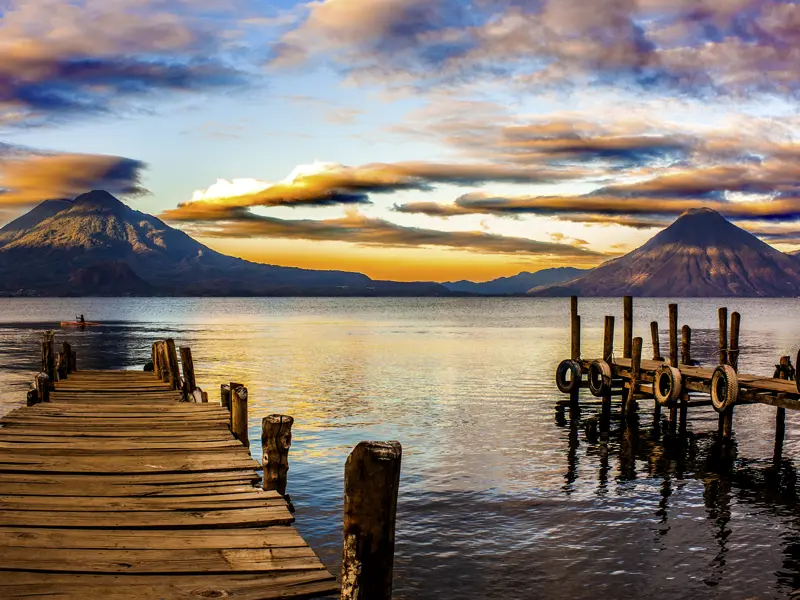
[[599, 377], [667, 385], [724, 388], [574, 369]]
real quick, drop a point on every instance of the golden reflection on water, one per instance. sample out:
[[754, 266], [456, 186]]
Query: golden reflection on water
[[499, 491]]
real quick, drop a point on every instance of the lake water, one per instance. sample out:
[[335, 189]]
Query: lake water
[[500, 497]]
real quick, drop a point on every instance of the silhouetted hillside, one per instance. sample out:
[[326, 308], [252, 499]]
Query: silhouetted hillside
[[516, 284]]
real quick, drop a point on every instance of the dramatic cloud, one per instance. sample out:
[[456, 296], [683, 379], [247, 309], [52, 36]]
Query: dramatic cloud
[[324, 184], [359, 229], [692, 46], [28, 178], [59, 58], [638, 212]]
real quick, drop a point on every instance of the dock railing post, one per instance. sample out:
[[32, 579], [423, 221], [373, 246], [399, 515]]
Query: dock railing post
[[371, 483], [575, 328], [172, 361], [627, 326], [656, 342], [276, 439], [189, 382], [673, 357], [42, 384], [726, 417], [239, 413]]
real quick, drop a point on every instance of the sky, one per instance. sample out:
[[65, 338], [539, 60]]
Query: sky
[[408, 139]]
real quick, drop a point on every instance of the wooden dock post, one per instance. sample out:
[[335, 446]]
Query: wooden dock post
[[627, 326], [163, 362], [608, 354], [673, 357], [174, 368], [276, 439], [725, 356], [636, 365], [371, 483], [780, 416], [575, 328], [686, 359], [48, 357], [239, 413], [655, 340], [42, 384], [225, 396], [66, 349], [189, 383]]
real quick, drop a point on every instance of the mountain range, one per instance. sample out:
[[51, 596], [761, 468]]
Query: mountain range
[[517, 284], [97, 245]]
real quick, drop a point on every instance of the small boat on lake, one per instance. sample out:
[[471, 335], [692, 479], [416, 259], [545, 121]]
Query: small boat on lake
[[79, 324]]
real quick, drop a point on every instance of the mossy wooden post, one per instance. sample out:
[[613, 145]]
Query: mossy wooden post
[[780, 418], [66, 349], [276, 439], [174, 368], [686, 358], [627, 326], [608, 355], [239, 413], [636, 365], [42, 385], [371, 482], [189, 383], [656, 342]]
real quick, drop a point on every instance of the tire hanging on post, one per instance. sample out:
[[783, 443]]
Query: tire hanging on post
[[667, 385], [572, 368], [599, 378], [724, 388]]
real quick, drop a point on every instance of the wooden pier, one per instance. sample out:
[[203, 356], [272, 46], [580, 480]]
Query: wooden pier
[[676, 382], [130, 485]]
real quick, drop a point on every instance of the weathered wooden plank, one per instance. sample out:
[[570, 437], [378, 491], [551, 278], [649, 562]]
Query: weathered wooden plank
[[57, 586], [85, 519]]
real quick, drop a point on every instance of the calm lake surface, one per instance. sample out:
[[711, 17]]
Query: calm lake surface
[[500, 496]]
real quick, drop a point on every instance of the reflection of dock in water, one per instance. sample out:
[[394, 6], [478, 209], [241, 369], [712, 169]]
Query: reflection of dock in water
[[130, 484], [674, 383]]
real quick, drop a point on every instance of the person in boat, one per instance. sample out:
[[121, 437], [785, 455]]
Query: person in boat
[[81, 320]]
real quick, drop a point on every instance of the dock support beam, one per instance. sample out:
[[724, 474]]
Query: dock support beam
[[371, 482], [575, 327], [276, 439]]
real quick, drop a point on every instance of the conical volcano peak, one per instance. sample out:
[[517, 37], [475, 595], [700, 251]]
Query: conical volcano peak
[[703, 228], [702, 211], [98, 198]]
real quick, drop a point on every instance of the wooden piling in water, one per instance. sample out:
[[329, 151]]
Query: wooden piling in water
[[239, 413], [371, 483], [189, 383], [780, 416], [686, 359], [608, 354], [636, 364], [276, 439], [575, 328], [627, 326], [655, 341], [724, 424]]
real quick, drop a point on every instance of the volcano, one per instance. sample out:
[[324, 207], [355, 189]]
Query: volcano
[[97, 245], [700, 255]]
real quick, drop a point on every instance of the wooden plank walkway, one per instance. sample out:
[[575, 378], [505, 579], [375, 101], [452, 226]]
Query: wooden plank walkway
[[114, 489]]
